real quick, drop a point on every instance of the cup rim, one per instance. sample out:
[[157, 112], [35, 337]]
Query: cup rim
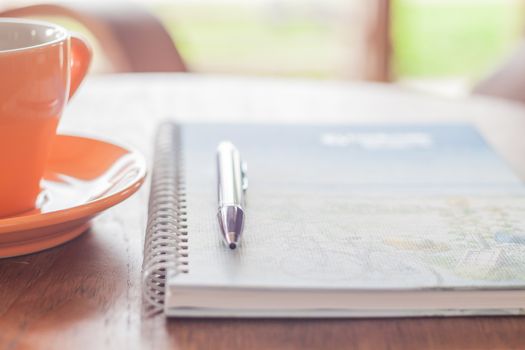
[[64, 33]]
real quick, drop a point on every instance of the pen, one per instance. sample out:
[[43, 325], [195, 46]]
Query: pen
[[231, 190]]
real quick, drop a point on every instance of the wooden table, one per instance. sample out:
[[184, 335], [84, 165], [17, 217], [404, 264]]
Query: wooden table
[[87, 295]]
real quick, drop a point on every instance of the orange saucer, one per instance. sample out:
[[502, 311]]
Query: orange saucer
[[83, 177]]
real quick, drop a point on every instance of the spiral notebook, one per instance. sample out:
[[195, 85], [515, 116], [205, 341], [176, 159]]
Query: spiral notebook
[[341, 221]]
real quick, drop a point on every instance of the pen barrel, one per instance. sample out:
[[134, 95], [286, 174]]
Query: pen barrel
[[229, 174]]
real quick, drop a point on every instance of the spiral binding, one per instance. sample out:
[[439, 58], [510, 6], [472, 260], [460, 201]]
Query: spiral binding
[[166, 242]]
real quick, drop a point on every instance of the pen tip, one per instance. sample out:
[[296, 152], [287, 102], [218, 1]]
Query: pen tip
[[233, 245]]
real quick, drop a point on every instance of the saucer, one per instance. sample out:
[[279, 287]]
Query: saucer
[[83, 177]]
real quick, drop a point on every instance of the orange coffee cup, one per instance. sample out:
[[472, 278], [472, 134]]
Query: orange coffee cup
[[41, 66]]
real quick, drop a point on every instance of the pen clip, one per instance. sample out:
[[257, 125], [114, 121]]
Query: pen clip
[[244, 176]]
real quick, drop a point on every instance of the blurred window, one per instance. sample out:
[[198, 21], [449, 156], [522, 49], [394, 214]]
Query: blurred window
[[436, 40]]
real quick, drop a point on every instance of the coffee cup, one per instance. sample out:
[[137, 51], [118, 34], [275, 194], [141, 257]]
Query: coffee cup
[[41, 67]]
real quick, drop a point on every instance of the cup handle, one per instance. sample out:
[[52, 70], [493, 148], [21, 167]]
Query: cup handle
[[80, 61]]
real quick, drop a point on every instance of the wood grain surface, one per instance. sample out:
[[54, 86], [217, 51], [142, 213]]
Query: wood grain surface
[[86, 294]]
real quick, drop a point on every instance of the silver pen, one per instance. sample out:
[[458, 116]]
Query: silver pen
[[231, 189]]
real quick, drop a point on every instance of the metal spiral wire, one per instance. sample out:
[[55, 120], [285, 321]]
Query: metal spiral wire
[[166, 241]]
